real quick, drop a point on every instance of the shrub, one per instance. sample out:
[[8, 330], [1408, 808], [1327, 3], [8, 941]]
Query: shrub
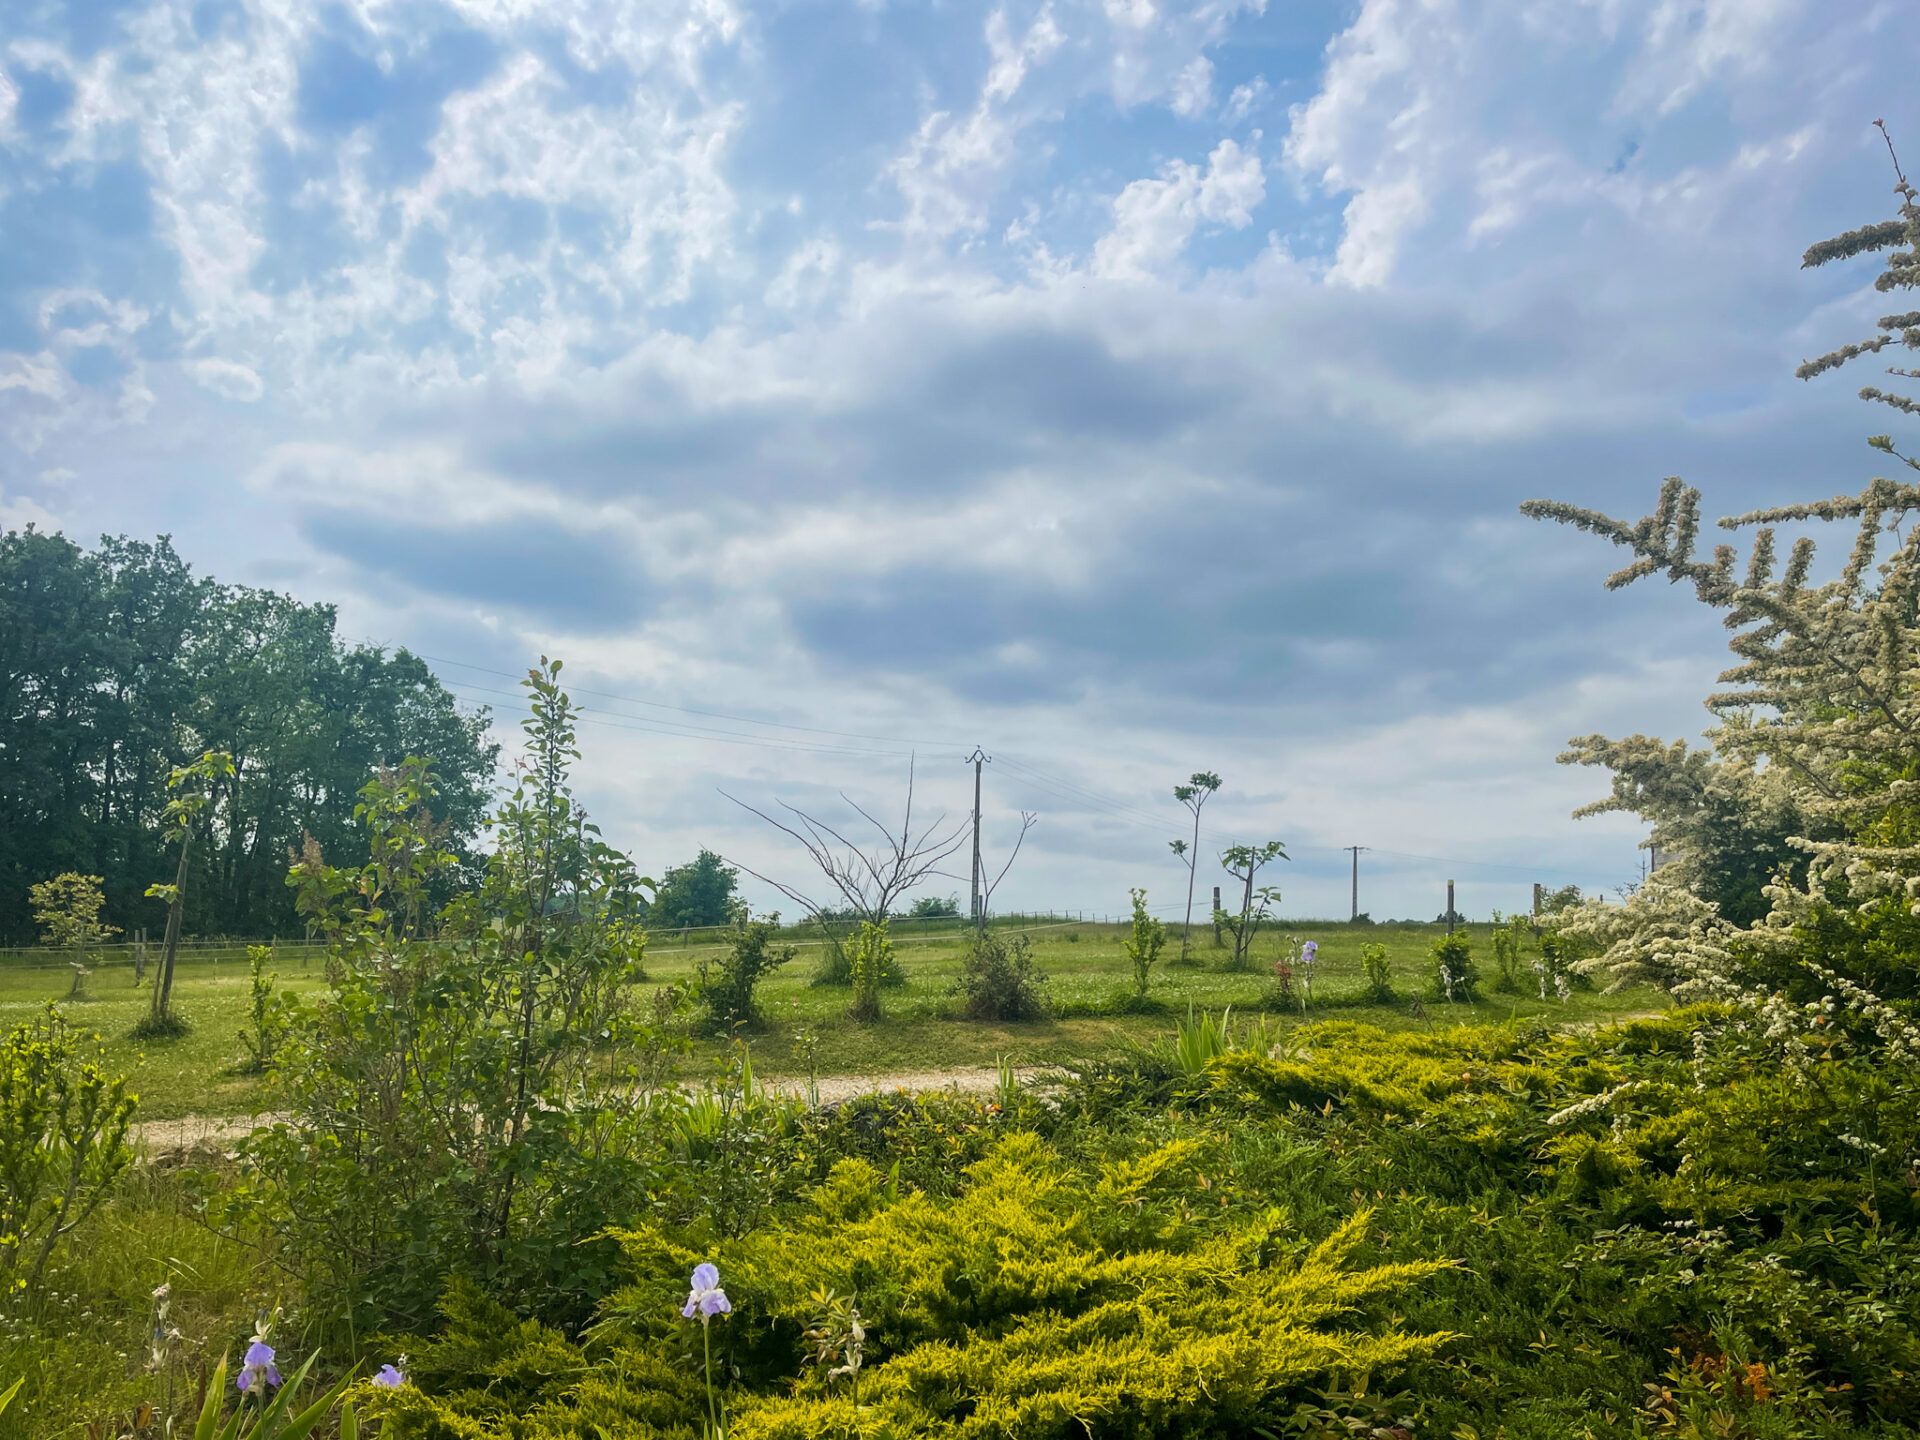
[[727, 985], [63, 1143], [1144, 943], [472, 1097], [271, 1014], [869, 960], [1453, 973], [999, 979], [1378, 970], [935, 907], [1510, 934], [1047, 1300]]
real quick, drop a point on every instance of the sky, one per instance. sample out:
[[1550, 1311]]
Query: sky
[[1124, 387]]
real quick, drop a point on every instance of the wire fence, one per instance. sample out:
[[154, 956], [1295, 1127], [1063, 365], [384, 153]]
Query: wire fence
[[215, 950], [910, 930]]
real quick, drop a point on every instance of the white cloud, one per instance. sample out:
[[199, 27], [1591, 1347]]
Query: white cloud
[[1154, 219], [18, 512], [954, 165], [227, 378], [1244, 100], [1483, 122], [1193, 89]]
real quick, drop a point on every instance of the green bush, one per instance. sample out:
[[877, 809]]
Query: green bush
[[726, 985], [1378, 970], [1048, 1299], [1452, 973], [473, 1095], [63, 1144], [999, 980], [1144, 943], [1510, 934], [870, 960]]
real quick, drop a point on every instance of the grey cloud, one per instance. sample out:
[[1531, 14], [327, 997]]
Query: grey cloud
[[541, 570]]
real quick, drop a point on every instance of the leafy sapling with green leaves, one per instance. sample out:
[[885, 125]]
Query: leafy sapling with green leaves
[[1378, 971], [1455, 979], [1144, 943], [1200, 787], [271, 1014], [1244, 863], [1510, 935], [67, 910], [871, 960], [192, 789]]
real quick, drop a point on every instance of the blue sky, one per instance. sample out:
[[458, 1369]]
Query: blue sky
[[1127, 387]]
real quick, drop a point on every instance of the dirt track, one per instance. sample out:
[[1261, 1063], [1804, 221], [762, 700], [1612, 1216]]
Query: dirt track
[[167, 1137]]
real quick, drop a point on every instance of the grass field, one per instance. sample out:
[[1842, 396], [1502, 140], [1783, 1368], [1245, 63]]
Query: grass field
[[1087, 971]]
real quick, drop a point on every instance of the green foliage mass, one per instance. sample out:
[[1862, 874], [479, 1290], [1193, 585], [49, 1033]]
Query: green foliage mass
[[726, 985], [63, 1143], [1047, 1300], [697, 894], [1453, 976], [129, 665], [999, 979]]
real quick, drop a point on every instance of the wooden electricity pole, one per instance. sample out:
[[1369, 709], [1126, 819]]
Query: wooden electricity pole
[[977, 759]]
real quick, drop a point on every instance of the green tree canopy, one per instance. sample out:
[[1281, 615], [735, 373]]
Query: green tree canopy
[[119, 664], [700, 892]]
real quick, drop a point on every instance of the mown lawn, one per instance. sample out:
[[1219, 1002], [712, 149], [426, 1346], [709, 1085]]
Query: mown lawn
[[1087, 970]]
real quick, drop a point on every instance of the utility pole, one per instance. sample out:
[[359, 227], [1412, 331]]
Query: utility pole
[[977, 759], [1356, 849], [1449, 907]]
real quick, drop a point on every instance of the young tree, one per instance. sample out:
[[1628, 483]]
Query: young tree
[[67, 910], [1194, 794], [867, 883], [192, 789], [1143, 943], [1243, 862]]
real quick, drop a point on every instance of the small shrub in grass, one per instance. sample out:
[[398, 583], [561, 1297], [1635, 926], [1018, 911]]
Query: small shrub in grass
[[1454, 977], [1378, 970], [63, 1144], [271, 1014], [1144, 943], [1510, 934], [999, 979], [727, 983], [869, 959]]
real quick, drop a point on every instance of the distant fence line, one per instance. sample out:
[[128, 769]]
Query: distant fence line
[[216, 948], [213, 949]]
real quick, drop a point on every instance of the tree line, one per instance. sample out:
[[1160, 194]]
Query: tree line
[[119, 663]]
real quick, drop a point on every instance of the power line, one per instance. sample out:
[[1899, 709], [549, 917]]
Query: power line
[[1096, 802], [704, 714], [1093, 797], [663, 728]]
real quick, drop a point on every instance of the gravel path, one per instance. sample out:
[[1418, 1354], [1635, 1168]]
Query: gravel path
[[170, 1137]]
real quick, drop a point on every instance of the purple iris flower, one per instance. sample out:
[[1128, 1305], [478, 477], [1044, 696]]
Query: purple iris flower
[[1310, 952], [706, 1299], [390, 1377], [257, 1369]]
